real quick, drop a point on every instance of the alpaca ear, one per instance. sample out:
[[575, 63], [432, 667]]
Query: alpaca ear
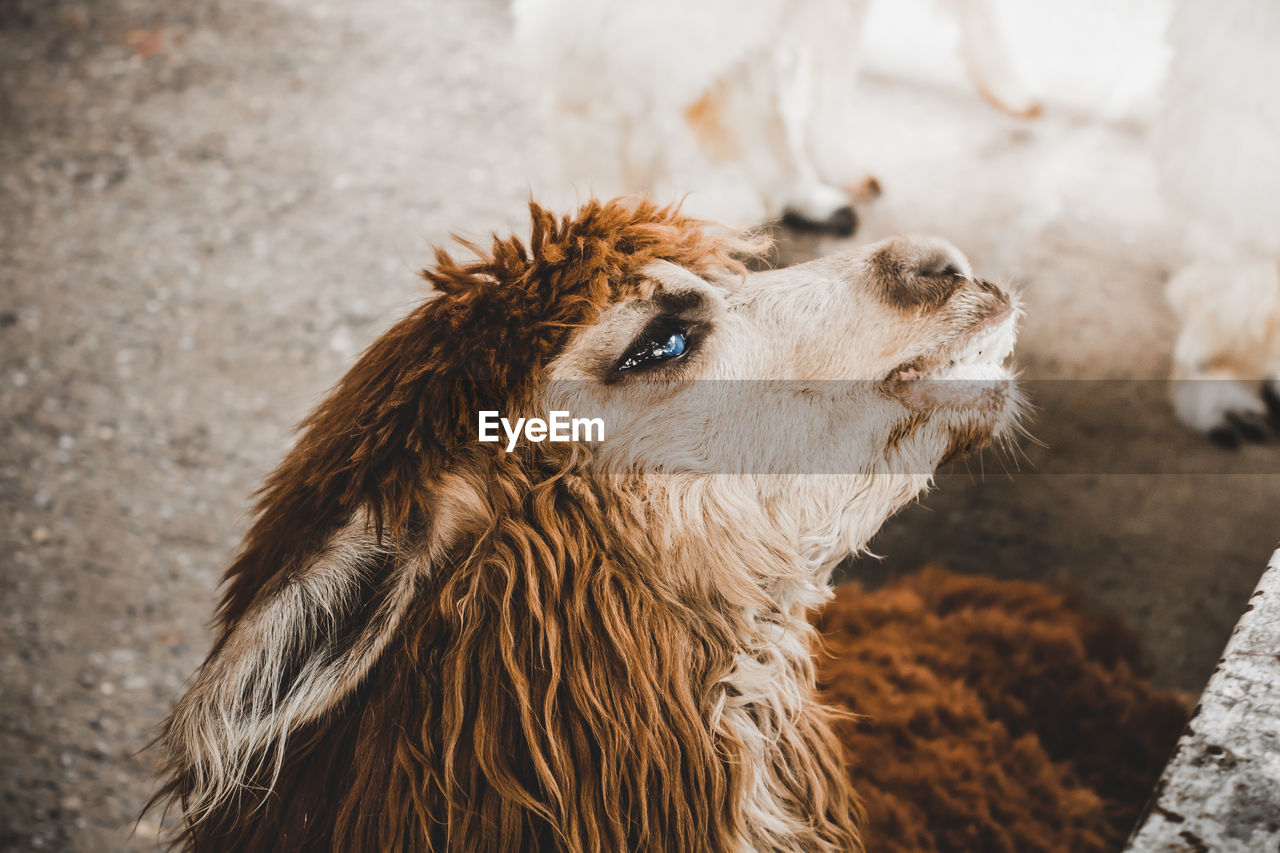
[[306, 642]]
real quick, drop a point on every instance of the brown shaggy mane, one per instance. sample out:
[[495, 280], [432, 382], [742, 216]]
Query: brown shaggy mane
[[407, 406], [536, 691]]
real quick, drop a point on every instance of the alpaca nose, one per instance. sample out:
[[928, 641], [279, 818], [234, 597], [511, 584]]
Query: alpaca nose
[[999, 293], [913, 273]]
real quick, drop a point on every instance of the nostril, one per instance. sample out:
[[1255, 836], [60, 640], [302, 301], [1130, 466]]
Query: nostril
[[994, 290], [915, 273]]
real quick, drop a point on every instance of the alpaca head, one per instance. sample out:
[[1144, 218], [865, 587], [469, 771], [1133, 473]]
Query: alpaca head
[[808, 403], [482, 629]]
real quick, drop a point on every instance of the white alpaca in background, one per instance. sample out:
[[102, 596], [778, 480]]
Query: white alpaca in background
[[1218, 149], [718, 98]]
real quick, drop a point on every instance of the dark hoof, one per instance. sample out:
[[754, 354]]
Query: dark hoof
[[1272, 399], [842, 223], [1250, 425], [1225, 437], [1240, 427]]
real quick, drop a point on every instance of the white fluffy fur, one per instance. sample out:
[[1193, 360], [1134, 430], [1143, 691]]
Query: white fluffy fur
[[717, 98], [1217, 139]]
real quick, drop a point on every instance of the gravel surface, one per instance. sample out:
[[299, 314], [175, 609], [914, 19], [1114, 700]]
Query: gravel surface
[[206, 211]]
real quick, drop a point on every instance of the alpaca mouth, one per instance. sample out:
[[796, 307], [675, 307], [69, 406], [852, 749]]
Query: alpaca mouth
[[983, 354], [972, 379]]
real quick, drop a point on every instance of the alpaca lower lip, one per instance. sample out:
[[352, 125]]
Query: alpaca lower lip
[[987, 345]]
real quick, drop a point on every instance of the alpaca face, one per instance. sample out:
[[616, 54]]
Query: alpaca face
[[860, 371]]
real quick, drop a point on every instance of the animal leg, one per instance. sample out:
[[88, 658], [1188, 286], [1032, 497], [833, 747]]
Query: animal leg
[[810, 203], [1226, 360], [754, 118], [985, 51]]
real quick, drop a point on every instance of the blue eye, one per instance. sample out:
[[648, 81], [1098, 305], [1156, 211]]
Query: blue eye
[[651, 349], [675, 345]]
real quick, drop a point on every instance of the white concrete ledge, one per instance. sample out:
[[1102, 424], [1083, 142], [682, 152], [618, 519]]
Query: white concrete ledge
[[1221, 789]]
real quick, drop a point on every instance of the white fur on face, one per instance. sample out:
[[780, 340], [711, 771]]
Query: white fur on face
[[802, 381]]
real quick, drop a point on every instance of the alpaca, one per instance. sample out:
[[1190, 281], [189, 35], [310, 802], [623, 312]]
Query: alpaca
[[430, 643], [1217, 146], [721, 98]]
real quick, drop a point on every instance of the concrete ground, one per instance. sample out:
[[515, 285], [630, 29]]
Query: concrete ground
[[206, 210]]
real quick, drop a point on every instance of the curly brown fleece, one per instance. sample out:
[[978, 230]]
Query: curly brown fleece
[[518, 683], [994, 716]]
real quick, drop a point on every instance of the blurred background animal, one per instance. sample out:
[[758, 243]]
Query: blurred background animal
[[751, 111], [1217, 144], [722, 99]]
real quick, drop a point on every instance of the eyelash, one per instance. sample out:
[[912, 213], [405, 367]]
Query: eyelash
[[654, 347]]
